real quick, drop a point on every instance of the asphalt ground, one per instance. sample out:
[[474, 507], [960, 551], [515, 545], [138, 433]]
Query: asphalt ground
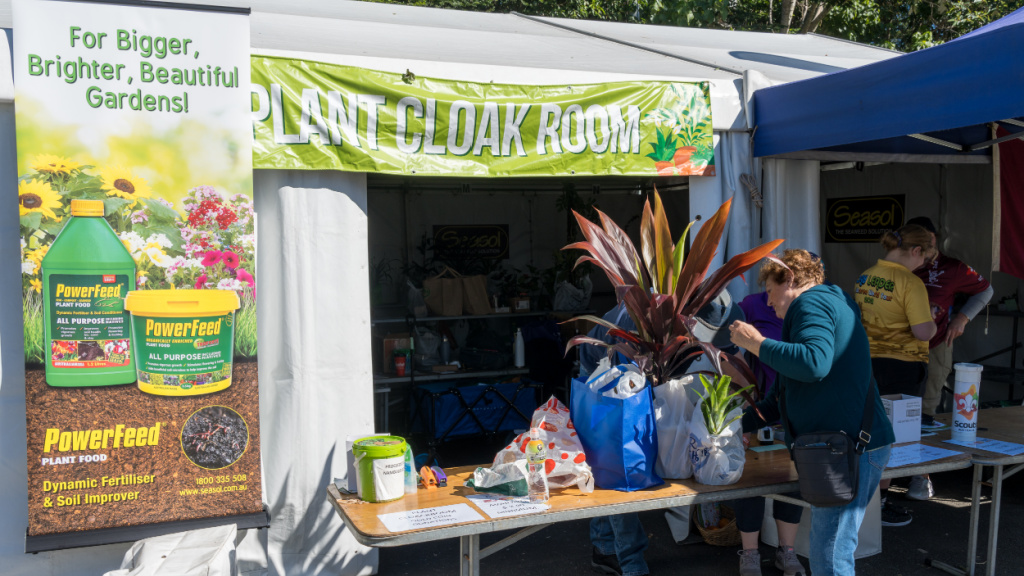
[[939, 531]]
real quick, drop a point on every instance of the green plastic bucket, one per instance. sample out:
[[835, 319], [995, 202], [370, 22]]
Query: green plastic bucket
[[380, 468]]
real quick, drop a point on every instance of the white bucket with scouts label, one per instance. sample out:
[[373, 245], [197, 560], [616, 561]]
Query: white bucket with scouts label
[[966, 395], [380, 468]]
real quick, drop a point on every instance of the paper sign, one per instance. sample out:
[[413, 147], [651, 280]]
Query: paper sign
[[989, 445], [916, 454], [500, 507], [429, 517], [768, 447]]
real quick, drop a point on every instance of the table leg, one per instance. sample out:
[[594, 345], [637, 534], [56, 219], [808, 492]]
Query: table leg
[[469, 555], [993, 520], [1013, 362], [972, 539]]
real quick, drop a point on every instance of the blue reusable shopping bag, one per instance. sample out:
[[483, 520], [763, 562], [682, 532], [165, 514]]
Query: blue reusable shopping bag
[[618, 435]]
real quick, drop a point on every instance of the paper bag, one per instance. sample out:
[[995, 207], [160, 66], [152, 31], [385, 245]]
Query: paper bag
[[443, 293], [474, 295]]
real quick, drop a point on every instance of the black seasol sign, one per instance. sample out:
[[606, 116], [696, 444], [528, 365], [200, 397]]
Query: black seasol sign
[[456, 242], [863, 219]]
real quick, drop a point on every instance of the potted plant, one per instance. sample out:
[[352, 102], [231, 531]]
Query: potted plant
[[662, 290], [684, 145], [664, 153], [716, 442], [661, 286]]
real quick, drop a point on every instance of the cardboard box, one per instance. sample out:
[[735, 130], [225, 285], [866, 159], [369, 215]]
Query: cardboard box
[[520, 304], [905, 414], [393, 342]]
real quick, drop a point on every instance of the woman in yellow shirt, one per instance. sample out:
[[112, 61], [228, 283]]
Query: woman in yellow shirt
[[898, 320]]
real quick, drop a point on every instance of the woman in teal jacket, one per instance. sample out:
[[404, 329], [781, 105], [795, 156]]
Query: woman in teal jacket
[[824, 364]]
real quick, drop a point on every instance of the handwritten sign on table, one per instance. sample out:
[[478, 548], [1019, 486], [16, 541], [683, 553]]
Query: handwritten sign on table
[[500, 507], [428, 517], [989, 445], [916, 454]]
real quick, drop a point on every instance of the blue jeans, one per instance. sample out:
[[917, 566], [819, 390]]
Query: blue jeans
[[623, 536], [834, 530]]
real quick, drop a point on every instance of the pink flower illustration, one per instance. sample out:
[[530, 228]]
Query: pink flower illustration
[[211, 258], [200, 282], [245, 277], [231, 259]]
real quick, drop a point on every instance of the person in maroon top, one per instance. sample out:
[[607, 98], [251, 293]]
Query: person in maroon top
[[945, 278]]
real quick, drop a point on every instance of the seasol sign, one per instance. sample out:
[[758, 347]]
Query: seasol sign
[[863, 219], [455, 242]]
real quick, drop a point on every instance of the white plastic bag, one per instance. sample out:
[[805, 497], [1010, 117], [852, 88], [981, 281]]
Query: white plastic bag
[[717, 460], [673, 410], [415, 303], [200, 552], [629, 380], [569, 297], [566, 464]]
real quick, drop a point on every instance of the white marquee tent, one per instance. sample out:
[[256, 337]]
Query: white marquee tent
[[315, 381]]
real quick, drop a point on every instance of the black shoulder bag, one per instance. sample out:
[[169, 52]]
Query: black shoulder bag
[[828, 463]]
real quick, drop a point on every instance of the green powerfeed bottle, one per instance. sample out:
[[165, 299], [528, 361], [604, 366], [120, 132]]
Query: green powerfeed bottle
[[86, 275]]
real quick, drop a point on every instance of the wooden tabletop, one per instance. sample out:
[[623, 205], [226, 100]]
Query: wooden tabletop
[[1006, 424], [770, 472], [764, 473]]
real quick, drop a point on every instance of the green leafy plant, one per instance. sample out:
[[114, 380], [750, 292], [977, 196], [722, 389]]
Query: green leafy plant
[[663, 289], [719, 401], [381, 278], [664, 148]]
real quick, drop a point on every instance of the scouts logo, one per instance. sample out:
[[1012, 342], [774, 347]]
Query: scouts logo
[[967, 403]]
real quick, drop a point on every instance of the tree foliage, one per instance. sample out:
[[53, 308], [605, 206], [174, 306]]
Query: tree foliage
[[904, 25]]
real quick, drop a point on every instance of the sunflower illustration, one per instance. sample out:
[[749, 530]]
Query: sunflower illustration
[[50, 164], [120, 182], [38, 197], [36, 285]]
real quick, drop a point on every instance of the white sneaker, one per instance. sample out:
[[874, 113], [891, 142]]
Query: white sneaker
[[920, 488]]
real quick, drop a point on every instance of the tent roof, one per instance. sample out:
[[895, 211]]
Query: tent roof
[[512, 48], [947, 93]]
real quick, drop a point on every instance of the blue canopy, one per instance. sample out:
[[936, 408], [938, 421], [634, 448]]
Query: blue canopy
[[946, 93]]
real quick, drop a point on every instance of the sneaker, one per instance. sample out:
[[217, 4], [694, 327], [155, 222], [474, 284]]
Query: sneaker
[[894, 514], [605, 563], [920, 488], [750, 562], [786, 560]]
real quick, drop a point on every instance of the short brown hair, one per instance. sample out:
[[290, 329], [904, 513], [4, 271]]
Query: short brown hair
[[907, 237], [803, 267]]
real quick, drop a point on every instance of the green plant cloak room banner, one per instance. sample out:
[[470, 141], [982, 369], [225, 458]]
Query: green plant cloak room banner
[[140, 419], [318, 116]]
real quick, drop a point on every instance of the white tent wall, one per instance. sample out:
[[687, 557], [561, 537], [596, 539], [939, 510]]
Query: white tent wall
[[791, 203], [958, 200], [315, 371], [732, 160]]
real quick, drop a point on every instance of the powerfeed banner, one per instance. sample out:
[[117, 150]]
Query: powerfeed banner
[[318, 116], [138, 263]]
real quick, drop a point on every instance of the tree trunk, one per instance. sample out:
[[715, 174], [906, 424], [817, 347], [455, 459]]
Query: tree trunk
[[817, 13], [787, 14]]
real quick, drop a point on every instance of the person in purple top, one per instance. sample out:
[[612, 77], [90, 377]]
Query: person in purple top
[[755, 308], [750, 511]]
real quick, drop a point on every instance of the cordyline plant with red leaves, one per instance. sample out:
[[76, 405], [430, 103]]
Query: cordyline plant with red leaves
[[663, 290]]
